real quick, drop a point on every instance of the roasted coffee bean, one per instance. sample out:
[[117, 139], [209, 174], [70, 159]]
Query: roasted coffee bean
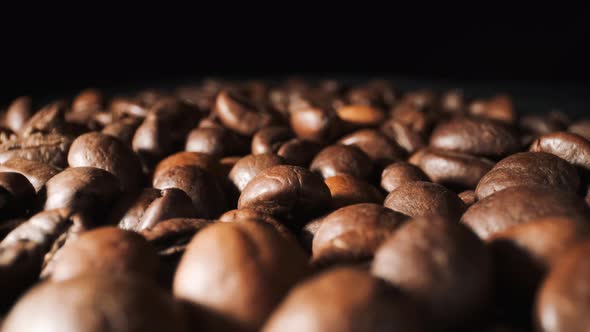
[[345, 299], [400, 173], [153, 206], [440, 264], [286, 191], [186, 158], [250, 166], [151, 141], [523, 254], [498, 108], [200, 185], [353, 233], [123, 130], [347, 190], [342, 159], [108, 153], [96, 304], [479, 137], [18, 113], [315, 124], [452, 169], [468, 197], [270, 139], [49, 149], [217, 142], [263, 266], [125, 107], [581, 128], [246, 214], [298, 152], [361, 115], [453, 101], [518, 205], [571, 147], [563, 302], [413, 117], [536, 124], [376, 145], [22, 250], [240, 115], [425, 199], [49, 120], [408, 139], [88, 100], [16, 193], [529, 168], [85, 189], [106, 251], [37, 173]]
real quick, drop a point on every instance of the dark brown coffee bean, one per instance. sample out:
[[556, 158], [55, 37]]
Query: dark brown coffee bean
[[123, 129], [171, 236], [185, 158], [239, 115], [108, 153], [270, 139], [468, 197], [425, 199], [37, 173], [239, 215], [298, 152], [347, 190], [518, 205], [344, 299], [498, 108], [18, 113], [581, 128], [49, 120], [88, 100], [217, 142], [315, 124], [453, 101], [151, 141], [342, 159], [123, 107], [353, 233], [361, 115], [308, 232], [153, 206], [19, 193], [263, 266], [376, 145], [48, 149], [529, 168], [524, 253], [563, 302], [200, 185], [249, 166], [452, 169], [571, 147], [536, 124], [479, 137], [124, 304], [286, 191], [413, 117], [85, 189], [408, 139], [106, 251], [427, 259], [400, 173]]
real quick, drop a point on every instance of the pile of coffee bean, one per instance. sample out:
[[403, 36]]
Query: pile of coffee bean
[[292, 206]]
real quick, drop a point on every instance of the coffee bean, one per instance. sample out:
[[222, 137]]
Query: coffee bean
[[413, 117], [37, 173], [400, 173], [468, 197], [106, 152], [186, 158], [123, 130], [17, 191], [217, 142], [529, 168], [517, 205], [270, 139], [123, 107], [453, 101], [452, 169], [18, 113], [426, 259], [570, 147], [246, 214], [353, 233], [298, 152], [347, 190], [204, 190], [424, 199], [342, 159], [361, 115], [250, 166], [126, 304], [407, 138], [49, 149], [479, 137], [498, 108], [344, 299], [376, 145], [581, 128], [263, 266], [289, 191], [315, 124], [562, 302], [238, 114]]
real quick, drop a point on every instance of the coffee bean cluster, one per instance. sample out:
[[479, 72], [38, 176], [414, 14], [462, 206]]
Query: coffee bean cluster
[[292, 206]]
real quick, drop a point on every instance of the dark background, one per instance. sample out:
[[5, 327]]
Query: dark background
[[544, 60]]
